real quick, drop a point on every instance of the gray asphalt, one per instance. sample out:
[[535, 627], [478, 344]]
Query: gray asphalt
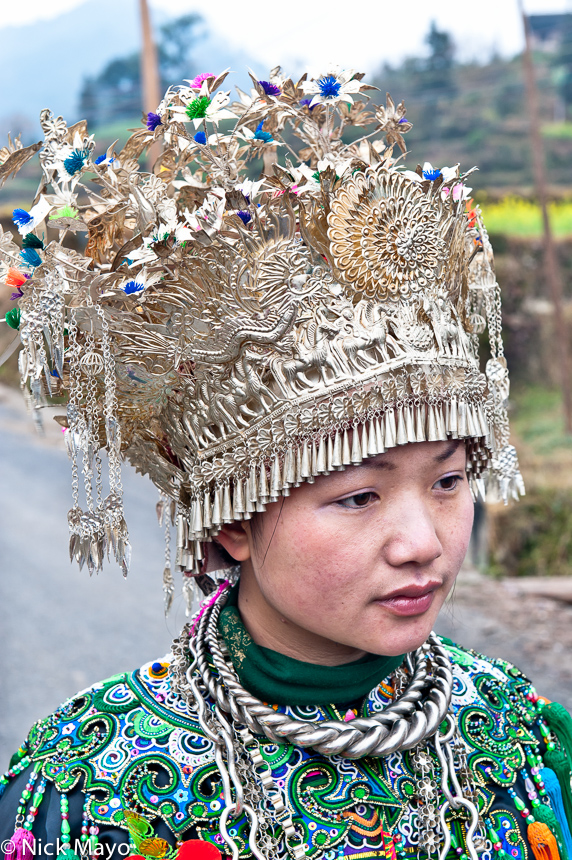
[[60, 629]]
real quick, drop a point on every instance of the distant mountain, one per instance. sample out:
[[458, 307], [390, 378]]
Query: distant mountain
[[43, 64]]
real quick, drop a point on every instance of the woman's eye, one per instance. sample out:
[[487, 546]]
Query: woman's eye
[[448, 483], [360, 500]]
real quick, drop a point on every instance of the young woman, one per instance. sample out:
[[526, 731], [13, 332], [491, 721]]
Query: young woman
[[294, 362]]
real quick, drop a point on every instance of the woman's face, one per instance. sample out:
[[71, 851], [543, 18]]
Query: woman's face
[[361, 560]]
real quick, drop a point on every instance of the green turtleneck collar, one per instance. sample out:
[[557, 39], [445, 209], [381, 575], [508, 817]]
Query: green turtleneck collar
[[281, 680]]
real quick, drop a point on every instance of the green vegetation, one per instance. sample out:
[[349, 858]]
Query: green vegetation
[[558, 130], [534, 537], [537, 419], [476, 113], [116, 91], [118, 130]]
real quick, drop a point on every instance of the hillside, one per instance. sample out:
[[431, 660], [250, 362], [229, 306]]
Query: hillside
[[477, 115]]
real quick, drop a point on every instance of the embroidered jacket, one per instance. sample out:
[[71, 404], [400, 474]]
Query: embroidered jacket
[[124, 767]]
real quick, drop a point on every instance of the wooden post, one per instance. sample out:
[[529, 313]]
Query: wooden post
[[150, 83], [551, 265]]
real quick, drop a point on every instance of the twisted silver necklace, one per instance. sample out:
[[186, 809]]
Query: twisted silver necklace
[[415, 716]]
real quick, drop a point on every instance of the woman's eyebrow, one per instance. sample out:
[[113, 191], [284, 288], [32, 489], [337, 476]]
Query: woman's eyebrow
[[379, 462], [449, 451], [375, 463]]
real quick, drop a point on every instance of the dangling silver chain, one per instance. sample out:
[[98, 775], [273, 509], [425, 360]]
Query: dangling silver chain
[[416, 715]]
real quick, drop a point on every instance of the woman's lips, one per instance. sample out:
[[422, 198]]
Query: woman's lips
[[414, 600]]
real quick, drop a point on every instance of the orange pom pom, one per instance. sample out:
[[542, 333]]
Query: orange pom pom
[[198, 849], [14, 278]]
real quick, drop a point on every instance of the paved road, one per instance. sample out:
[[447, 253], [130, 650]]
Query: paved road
[[507, 619], [62, 630]]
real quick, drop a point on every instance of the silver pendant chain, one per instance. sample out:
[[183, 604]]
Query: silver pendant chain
[[420, 713]]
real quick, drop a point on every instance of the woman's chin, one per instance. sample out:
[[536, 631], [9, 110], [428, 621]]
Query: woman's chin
[[401, 638]]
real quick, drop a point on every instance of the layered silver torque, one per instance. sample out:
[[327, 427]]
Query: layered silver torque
[[414, 716]]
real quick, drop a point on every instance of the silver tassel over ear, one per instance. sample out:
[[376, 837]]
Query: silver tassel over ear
[[322, 464]]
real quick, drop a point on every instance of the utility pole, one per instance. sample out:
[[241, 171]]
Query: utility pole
[[150, 84], [551, 265]]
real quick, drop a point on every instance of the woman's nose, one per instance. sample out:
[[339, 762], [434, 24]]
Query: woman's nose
[[413, 537]]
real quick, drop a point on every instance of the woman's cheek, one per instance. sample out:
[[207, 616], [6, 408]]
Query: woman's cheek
[[317, 557], [455, 530]]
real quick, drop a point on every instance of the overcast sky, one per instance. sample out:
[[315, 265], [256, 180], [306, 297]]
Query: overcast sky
[[354, 32]]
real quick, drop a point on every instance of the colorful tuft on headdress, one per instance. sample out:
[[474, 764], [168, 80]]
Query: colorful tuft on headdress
[[233, 333]]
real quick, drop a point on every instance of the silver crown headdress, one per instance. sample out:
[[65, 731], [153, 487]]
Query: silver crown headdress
[[226, 335]]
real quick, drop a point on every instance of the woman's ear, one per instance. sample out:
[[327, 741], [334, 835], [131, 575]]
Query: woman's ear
[[234, 539]]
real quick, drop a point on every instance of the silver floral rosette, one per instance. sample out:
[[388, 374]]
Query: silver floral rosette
[[234, 337]]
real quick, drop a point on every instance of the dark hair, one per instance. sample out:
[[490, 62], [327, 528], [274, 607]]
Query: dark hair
[[256, 528], [224, 554]]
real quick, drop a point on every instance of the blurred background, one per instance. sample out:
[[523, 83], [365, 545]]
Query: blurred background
[[461, 71]]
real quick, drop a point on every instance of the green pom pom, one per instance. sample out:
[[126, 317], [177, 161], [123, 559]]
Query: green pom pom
[[13, 318], [197, 109], [64, 212], [560, 722], [558, 761], [545, 815], [32, 241]]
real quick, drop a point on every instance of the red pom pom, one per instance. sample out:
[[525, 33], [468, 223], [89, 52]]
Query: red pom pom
[[198, 849]]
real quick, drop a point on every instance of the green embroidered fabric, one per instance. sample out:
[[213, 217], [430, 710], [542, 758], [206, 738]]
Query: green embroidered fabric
[[131, 744]]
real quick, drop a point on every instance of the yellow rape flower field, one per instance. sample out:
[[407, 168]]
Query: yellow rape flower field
[[514, 216]]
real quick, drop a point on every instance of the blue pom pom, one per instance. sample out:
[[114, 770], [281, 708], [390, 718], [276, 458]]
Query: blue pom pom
[[262, 135], [74, 162], [329, 86], [269, 89], [20, 217], [200, 137], [31, 257], [244, 216], [153, 121], [132, 287]]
